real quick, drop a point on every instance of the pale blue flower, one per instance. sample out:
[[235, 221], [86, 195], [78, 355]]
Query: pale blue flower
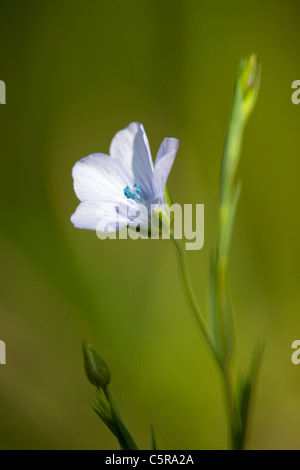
[[125, 185]]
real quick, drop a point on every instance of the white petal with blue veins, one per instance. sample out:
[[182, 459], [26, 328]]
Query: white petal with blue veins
[[131, 147]]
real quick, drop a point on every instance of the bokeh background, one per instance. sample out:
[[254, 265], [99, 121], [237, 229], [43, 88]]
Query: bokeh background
[[76, 72]]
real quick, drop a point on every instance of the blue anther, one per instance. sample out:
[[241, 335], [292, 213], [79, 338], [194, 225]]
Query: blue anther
[[137, 189], [136, 193], [128, 193]]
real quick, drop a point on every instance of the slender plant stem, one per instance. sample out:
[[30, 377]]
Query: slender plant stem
[[231, 411], [197, 315], [219, 337], [126, 440]]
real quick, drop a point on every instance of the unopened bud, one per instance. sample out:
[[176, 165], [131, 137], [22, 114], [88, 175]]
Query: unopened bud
[[248, 81], [96, 368]]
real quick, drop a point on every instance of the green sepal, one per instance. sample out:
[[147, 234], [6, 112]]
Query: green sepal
[[101, 406], [168, 197]]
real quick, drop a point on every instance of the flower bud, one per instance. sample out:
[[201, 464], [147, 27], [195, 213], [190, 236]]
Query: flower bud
[[248, 81], [96, 368]]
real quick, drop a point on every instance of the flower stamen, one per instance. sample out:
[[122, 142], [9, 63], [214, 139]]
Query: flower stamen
[[134, 193]]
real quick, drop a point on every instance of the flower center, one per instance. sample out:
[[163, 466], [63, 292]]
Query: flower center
[[134, 193]]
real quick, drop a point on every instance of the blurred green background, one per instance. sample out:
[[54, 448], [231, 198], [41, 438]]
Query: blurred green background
[[76, 72]]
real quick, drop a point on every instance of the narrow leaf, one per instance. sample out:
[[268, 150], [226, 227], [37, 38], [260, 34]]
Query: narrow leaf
[[120, 426], [245, 392], [153, 440]]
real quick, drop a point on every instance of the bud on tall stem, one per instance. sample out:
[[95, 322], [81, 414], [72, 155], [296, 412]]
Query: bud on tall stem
[[245, 94]]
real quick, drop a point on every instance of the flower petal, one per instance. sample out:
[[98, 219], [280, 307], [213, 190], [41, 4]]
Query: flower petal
[[99, 176], [163, 164], [93, 215], [131, 147]]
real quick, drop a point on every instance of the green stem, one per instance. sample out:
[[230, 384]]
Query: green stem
[[231, 410], [126, 440], [220, 335], [197, 315], [232, 418]]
